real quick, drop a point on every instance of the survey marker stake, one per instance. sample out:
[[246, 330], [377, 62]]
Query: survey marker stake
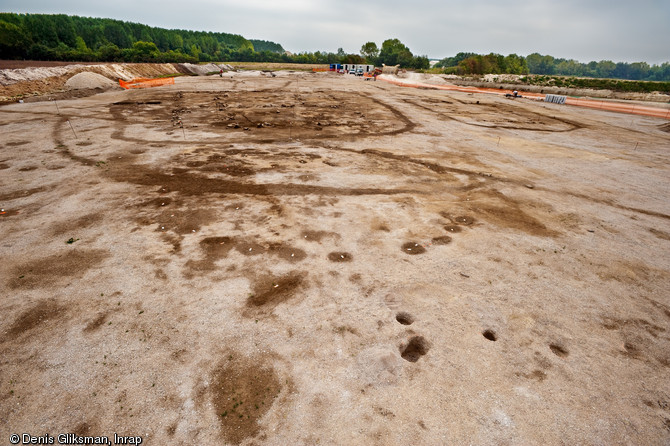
[[75, 133]]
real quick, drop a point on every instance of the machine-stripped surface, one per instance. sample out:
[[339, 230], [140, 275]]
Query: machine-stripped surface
[[315, 259]]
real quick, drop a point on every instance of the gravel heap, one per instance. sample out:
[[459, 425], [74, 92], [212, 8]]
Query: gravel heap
[[87, 79]]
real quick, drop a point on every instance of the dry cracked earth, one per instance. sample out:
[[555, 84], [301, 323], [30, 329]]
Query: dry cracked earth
[[315, 259]]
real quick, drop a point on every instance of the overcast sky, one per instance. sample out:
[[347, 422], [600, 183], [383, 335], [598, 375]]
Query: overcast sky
[[622, 31]]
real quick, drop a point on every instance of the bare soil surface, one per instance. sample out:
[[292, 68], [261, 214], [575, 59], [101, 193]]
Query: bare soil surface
[[315, 259]]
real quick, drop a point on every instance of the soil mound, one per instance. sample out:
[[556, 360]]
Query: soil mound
[[88, 79], [203, 70]]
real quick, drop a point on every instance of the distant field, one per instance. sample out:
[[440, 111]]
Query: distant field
[[275, 66]]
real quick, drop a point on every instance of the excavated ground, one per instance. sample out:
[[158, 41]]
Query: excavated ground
[[316, 259]]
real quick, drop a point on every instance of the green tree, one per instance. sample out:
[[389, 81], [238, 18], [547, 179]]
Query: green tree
[[144, 51], [605, 68], [352, 59], [394, 52], [12, 41], [453, 61], [109, 53], [370, 51], [539, 64], [115, 33], [515, 65], [80, 45]]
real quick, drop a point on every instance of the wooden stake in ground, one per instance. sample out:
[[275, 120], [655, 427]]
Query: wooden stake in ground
[[75, 133]]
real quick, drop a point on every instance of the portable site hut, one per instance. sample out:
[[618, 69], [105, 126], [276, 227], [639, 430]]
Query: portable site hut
[[356, 67], [335, 66]]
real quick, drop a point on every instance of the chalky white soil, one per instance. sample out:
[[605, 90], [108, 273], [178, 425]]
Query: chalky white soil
[[318, 259]]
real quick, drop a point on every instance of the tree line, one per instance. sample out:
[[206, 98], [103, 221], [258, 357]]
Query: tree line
[[73, 38], [472, 63]]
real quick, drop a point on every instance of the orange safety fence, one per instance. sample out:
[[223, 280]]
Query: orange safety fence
[[142, 82], [314, 70], [656, 112]]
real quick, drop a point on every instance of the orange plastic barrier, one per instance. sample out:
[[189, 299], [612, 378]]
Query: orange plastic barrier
[[315, 70], [580, 102], [620, 107], [142, 82]]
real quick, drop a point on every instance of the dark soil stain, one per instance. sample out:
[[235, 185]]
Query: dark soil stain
[[442, 240], [286, 252], [490, 335], [633, 324], [559, 350], [4, 166], [43, 312], [216, 248], [27, 168], [157, 202], [269, 116], [412, 248], [190, 184], [21, 193], [65, 152], [11, 213], [415, 349], [174, 241], [83, 222], [537, 375], [269, 291], [181, 222], [317, 236], [437, 168], [223, 164], [660, 234], [453, 229], [338, 256], [84, 429], [55, 269], [506, 212], [464, 220], [95, 323], [632, 350], [18, 143], [242, 391], [500, 116]]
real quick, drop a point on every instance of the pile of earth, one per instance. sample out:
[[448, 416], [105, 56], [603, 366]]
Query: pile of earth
[[88, 79], [202, 70]]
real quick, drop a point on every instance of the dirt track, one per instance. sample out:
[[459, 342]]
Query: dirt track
[[315, 259]]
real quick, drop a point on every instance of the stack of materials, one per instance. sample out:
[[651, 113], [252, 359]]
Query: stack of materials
[[556, 99]]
